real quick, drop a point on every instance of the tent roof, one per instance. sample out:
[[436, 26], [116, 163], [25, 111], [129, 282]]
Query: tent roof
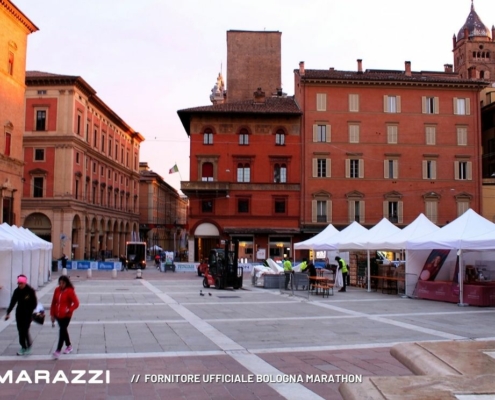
[[351, 231], [470, 231], [321, 238], [371, 239], [420, 227]]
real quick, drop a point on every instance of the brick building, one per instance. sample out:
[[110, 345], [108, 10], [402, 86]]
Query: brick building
[[13, 45], [393, 144], [81, 173], [162, 212]]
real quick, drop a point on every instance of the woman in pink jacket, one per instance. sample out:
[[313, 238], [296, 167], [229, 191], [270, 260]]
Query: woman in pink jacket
[[64, 303]]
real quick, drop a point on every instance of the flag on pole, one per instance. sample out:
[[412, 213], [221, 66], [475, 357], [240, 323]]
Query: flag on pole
[[174, 169]]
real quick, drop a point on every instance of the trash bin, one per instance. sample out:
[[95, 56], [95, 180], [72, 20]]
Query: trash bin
[[55, 266]]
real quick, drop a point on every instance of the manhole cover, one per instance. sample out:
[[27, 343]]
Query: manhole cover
[[228, 297]]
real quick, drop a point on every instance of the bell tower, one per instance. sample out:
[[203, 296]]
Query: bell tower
[[474, 49]]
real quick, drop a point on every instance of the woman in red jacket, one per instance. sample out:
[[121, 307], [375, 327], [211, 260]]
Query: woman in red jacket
[[64, 303]]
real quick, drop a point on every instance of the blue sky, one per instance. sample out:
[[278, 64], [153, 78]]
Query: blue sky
[[149, 58]]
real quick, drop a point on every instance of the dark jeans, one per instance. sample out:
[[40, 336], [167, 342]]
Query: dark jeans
[[64, 333], [23, 324], [287, 279], [344, 279]]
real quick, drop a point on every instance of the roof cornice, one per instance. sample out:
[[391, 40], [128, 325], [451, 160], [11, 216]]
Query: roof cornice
[[19, 15]]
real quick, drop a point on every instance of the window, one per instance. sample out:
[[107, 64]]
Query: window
[[390, 169], [207, 172], [280, 206], [243, 137], [462, 206], [207, 206], [392, 210], [10, 67], [429, 169], [8, 141], [280, 138], [391, 104], [321, 168], [41, 120], [431, 135], [102, 170], [77, 188], [461, 136], [87, 132], [94, 167], [463, 170], [462, 106], [430, 105], [431, 209], [38, 186], [321, 133], [392, 134], [39, 154], [353, 133], [208, 137], [354, 168], [243, 206], [77, 157], [353, 103], [356, 210], [280, 173], [95, 138], [243, 173], [320, 210], [321, 102], [102, 143], [78, 127]]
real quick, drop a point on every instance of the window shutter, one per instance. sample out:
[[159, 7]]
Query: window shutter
[[430, 135], [425, 169], [385, 209], [392, 133], [361, 211], [396, 169], [423, 104], [361, 168], [400, 206], [313, 211], [347, 168], [385, 103], [397, 99], [350, 210], [329, 133], [385, 169], [433, 169], [436, 103], [353, 102], [469, 168], [461, 136], [315, 167], [315, 133], [468, 106], [456, 170], [455, 105], [329, 211], [329, 167]]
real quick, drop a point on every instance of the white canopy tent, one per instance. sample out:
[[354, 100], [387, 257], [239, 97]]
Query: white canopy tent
[[346, 234], [420, 227], [6, 272], [320, 238], [468, 232]]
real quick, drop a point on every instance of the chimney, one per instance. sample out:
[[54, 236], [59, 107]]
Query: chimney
[[259, 96], [454, 41], [466, 34], [408, 68], [360, 66], [448, 68], [472, 72], [301, 68]]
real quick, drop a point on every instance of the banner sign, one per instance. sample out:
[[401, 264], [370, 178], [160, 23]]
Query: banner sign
[[186, 267], [94, 265]]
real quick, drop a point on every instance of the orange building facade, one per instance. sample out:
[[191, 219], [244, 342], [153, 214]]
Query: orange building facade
[[13, 45], [81, 172]]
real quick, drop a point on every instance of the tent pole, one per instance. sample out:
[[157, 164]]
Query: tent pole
[[369, 271], [461, 281]]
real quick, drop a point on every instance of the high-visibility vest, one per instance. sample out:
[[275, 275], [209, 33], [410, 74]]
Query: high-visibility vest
[[344, 265], [287, 266]]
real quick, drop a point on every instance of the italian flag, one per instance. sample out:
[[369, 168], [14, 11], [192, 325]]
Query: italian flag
[[173, 169]]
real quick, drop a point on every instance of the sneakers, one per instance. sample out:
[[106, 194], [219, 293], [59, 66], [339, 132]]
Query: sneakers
[[68, 350], [342, 290], [21, 352], [56, 355], [27, 351]]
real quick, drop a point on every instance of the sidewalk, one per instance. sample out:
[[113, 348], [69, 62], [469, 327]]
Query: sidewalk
[[162, 327]]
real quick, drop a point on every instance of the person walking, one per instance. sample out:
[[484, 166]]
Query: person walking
[[25, 298], [64, 303], [64, 259], [344, 270], [288, 271]]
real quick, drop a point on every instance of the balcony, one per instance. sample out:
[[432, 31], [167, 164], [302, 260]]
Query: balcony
[[202, 188]]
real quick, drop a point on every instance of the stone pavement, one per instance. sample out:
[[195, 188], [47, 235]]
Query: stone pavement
[[148, 336]]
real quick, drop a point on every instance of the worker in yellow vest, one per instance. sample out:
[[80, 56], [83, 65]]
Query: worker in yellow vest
[[287, 270], [343, 268]]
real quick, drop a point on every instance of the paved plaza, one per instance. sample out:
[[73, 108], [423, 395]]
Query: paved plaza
[[149, 335]]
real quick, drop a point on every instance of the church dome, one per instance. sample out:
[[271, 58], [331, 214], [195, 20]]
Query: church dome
[[475, 26]]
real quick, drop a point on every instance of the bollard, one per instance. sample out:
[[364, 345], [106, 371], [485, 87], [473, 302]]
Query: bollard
[[64, 271], [90, 273], [139, 274], [114, 273]]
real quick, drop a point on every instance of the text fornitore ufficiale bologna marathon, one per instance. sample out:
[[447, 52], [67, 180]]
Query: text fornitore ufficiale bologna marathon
[[245, 378]]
